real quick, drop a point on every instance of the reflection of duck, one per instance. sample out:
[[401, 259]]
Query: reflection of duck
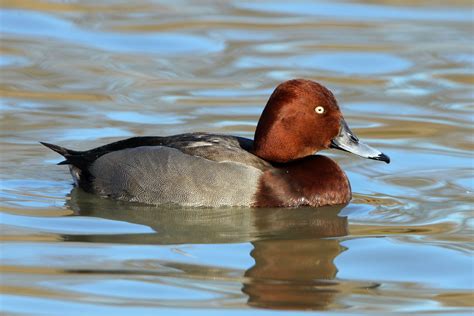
[[293, 251], [276, 169], [293, 274], [214, 226]]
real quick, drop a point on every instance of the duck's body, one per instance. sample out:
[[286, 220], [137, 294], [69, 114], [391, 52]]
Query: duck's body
[[200, 169]]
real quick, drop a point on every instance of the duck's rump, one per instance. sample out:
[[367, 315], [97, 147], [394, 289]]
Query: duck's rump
[[189, 169]]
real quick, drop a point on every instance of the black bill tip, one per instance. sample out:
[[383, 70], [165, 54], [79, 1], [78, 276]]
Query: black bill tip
[[381, 157]]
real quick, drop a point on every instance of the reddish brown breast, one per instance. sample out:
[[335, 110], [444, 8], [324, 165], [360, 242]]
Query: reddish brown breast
[[312, 181]]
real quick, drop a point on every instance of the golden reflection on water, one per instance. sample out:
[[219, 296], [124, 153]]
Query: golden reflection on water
[[77, 73], [36, 5], [456, 299], [35, 95]]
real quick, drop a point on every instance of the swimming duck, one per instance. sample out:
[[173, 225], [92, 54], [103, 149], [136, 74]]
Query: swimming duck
[[279, 168]]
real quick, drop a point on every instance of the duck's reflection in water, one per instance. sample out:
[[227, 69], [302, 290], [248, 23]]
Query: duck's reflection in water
[[293, 250], [292, 274]]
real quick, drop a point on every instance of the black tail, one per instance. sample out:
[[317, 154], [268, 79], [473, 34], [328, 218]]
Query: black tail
[[66, 153]]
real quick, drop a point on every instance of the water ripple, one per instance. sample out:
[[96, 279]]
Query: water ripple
[[32, 24]]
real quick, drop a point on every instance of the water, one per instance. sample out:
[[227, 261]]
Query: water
[[82, 74]]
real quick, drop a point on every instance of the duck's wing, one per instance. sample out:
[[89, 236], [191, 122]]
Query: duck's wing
[[209, 146], [166, 175]]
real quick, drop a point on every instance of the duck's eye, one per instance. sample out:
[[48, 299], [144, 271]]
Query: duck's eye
[[319, 109]]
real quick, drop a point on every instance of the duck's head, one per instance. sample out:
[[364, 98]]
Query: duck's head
[[302, 117]]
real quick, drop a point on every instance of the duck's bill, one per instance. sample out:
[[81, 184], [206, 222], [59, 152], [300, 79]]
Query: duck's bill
[[348, 141]]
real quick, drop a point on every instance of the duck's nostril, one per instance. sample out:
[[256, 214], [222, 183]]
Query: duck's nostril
[[354, 138]]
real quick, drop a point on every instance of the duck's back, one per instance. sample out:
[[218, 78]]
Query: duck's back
[[189, 169]]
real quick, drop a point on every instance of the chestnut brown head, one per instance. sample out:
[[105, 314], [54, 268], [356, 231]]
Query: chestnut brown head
[[302, 117]]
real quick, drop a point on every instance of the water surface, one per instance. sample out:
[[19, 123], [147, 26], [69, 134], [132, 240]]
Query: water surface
[[82, 74]]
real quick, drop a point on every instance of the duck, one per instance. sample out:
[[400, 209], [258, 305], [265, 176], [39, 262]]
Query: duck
[[280, 167]]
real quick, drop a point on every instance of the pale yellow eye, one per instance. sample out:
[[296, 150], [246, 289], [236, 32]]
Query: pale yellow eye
[[319, 110]]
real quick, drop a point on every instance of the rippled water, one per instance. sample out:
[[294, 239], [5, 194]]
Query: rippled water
[[82, 74]]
